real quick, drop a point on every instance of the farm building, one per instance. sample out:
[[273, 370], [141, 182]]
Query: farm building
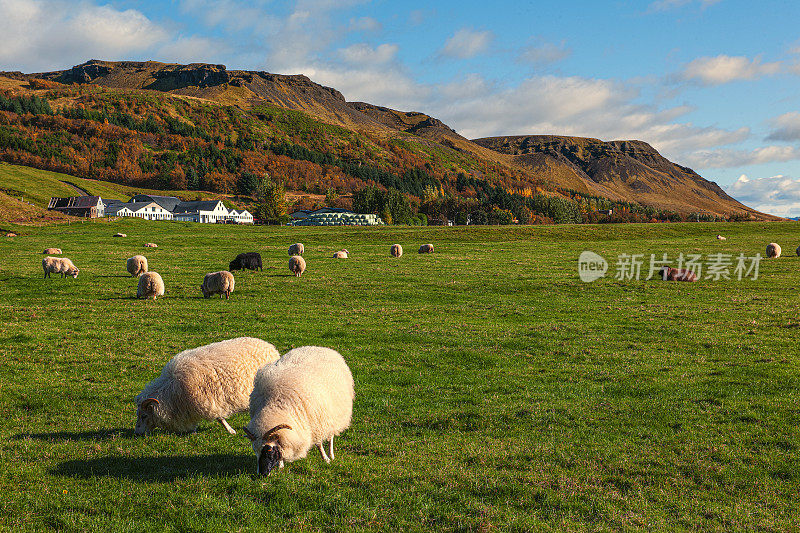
[[78, 206]]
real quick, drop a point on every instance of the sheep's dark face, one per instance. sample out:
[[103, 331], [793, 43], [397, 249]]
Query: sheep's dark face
[[145, 417], [206, 293], [269, 458], [234, 265], [73, 272]]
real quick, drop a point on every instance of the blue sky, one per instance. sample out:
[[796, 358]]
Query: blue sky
[[712, 84]]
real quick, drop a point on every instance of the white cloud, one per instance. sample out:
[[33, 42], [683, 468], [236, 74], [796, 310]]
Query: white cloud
[[467, 43], [50, 34], [786, 128], [364, 54], [544, 53], [368, 24], [731, 158], [778, 195], [724, 69], [664, 5]]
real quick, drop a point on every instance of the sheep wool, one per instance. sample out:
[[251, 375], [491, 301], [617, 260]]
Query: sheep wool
[[341, 254], [396, 250], [59, 265], [150, 245], [150, 285], [297, 265], [301, 401], [52, 251], [297, 249], [773, 250], [426, 249], [120, 235], [721, 238], [211, 382], [221, 283], [136, 265]]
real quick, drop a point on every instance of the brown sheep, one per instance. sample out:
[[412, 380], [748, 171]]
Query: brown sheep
[[677, 274]]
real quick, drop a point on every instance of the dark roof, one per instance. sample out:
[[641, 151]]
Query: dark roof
[[305, 213], [167, 202], [80, 202], [112, 201], [196, 205], [117, 207]]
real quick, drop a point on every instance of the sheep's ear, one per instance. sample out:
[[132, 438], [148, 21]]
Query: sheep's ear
[[248, 434], [148, 403], [274, 430]]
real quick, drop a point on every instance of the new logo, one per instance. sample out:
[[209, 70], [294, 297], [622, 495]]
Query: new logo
[[591, 266]]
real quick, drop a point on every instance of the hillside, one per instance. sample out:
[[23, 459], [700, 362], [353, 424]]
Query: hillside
[[201, 126]]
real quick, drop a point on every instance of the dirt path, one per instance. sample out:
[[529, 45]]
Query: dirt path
[[83, 192]]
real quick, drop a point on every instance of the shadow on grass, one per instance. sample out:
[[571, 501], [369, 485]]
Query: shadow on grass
[[116, 276], [157, 469], [101, 434]]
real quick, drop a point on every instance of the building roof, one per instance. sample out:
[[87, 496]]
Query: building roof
[[196, 206], [305, 213], [74, 202], [167, 202], [113, 209]]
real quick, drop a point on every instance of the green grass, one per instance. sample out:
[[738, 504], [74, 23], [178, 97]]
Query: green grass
[[494, 390], [38, 186]]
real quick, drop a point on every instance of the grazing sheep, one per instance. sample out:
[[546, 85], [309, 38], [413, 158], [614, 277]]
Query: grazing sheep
[[301, 401], [52, 251], [773, 250], [59, 265], [120, 235], [341, 254], [426, 249], [798, 250], [396, 250], [721, 238], [150, 245], [11, 234], [211, 382], [247, 260], [297, 265], [221, 283], [297, 249], [136, 265], [677, 274], [150, 285]]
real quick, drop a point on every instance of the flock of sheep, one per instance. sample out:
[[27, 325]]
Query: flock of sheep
[[151, 285], [297, 401]]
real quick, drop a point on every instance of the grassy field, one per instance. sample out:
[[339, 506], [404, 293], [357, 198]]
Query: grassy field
[[494, 390]]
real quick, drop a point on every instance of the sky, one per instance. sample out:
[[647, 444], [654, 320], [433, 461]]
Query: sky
[[712, 84]]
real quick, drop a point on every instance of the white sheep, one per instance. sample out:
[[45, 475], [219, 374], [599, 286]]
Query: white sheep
[[59, 265], [297, 249], [211, 382], [150, 285], [396, 250], [773, 250], [120, 235], [301, 401], [721, 238], [340, 254], [52, 251], [426, 249], [221, 283], [297, 265], [136, 265], [150, 245]]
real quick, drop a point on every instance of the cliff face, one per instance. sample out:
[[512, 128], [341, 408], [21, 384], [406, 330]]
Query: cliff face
[[625, 170]]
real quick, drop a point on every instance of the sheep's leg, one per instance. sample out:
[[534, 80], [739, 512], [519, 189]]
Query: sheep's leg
[[330, 447], [322, 451], [227, 426]]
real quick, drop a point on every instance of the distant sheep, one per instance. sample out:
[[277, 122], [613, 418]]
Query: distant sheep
[[297, 265], [341, 254], [301, 401], [721, 238], [247, 260], [120, 235], [136, 265], [297, 249], [59, 265], [798, 250], [221, 283], [396, 250], [677, 274], [426, 249], [52, 251], [773, 250], [211, 382], [150, 245], [150, 285]]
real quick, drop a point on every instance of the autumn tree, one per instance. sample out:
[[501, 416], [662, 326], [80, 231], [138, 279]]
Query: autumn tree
[[270, 201]]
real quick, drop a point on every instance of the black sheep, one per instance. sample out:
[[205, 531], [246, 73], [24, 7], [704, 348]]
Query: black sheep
[[248, 260]]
